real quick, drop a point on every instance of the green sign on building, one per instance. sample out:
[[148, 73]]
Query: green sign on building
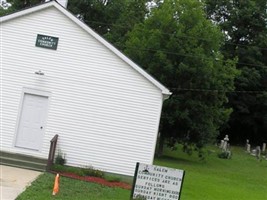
[[46, 41]]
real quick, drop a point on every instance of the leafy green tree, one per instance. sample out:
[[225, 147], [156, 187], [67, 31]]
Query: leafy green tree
[[3, 11], [92, 12], [132, 13], [181, 48], [244, 25], [112, 19], [21, 4], [6, 10]]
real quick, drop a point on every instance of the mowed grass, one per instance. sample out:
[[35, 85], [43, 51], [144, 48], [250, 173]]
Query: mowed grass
[[70, 189], [241, 178]]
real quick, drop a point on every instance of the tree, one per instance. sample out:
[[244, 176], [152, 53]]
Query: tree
[[244, 25], [21, 4], [181, 48], [3, 11], [133, 12], [92, 12], [112, 19]]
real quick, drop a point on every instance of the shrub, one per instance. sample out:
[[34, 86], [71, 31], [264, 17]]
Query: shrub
[[60, 158], [86, 171], [90, 171]]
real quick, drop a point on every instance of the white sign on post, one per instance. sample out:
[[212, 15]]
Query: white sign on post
[[157, 183]]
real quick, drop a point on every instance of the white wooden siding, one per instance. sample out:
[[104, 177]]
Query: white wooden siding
[[105, 112]]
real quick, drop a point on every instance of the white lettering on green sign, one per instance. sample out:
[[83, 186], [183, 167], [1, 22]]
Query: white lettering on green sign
[[45, 41]]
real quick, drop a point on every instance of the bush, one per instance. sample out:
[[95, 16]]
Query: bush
[[86, 171], [60, 158], [90, 171]]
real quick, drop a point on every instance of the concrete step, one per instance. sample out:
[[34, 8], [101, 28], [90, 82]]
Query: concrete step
[[22, 161]]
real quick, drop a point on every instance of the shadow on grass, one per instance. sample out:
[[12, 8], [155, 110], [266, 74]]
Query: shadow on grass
[[170, 159]]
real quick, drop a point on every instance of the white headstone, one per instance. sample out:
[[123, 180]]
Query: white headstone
[[225, 143], [247, 142], [263, 147], [258, 152], [248, 148], [226, 138], [221, 145], [253, 152]]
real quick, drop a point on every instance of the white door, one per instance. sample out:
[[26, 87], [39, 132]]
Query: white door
[[32, 120]]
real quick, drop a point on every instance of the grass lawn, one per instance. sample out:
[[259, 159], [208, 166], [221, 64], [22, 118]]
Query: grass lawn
[[70, 189], [240, 178]]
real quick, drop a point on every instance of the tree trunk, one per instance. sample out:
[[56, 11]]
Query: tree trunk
[[160, 145]]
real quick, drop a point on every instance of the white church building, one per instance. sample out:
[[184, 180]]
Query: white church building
[[60, 77]]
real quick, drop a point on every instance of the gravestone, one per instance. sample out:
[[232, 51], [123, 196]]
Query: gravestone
[[258, 152], [225, 144], [263, 147], [248, 148], [221, 145], [247, 143], [253, 152]]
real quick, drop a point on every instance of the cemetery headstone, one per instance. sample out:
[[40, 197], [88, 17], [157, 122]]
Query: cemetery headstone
[[253, 152], [221, 145], [156, 182], [248, 148], [258, 152], [225, 144], [247, 143], [263, 147]]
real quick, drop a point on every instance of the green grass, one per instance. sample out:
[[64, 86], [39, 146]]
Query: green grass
[[70, 189], [241, 178]]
